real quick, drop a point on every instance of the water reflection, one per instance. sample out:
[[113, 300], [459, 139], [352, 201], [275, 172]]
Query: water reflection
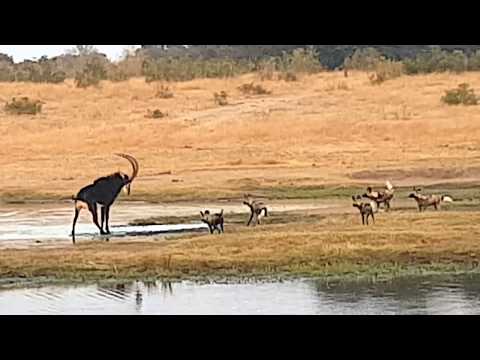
[[138, 301], [135, 292], [456, 295]]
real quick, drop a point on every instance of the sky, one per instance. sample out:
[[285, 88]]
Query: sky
[[22, 52]]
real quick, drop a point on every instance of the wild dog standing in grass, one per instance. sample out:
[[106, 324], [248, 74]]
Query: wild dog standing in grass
[[366, 209], [256, 210], [214, 222], [384, 197], [426, 201]]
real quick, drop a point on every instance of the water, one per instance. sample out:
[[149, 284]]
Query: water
[[417, 296], [22, 225]]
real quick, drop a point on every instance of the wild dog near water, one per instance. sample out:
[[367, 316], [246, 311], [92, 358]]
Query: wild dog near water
[[384, 197], [426, 201], [366, 209], [103, 192], [256, 210], [214, 222]]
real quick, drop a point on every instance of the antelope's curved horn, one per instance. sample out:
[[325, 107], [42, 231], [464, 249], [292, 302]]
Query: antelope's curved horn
[[133, 162]]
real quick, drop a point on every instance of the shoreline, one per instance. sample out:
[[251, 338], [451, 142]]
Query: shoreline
[[325, 244], [325, 247], [384, 274]]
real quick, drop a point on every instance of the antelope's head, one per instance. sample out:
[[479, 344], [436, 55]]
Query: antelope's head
[[127, 180]]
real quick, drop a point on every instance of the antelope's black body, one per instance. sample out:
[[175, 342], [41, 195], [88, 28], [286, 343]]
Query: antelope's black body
[[103, 192]]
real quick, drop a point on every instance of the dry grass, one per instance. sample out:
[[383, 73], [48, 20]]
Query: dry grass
[[315, 245], [273, 140]]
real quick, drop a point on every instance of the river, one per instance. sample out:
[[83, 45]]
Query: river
[[413, 296]]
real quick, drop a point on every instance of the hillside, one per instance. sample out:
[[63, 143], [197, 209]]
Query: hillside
[[321, 130]]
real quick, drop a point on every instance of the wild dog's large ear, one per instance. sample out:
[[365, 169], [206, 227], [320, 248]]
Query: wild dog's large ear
[[353, 198], [201, 213]]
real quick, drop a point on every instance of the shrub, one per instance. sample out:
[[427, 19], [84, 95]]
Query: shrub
[[251, 89], [463, 95], [287, 76], [221, 98], [24, 106], [386, 70], [116, 73], [156, 114], [300, 61], [474, 61], [186, 68], [163, 92], [437, 60], [363, 59], [342, 85], [266, 69], [91, 75], [6, 72]]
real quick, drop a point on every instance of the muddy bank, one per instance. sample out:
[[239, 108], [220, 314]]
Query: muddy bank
[[329, 246], [41, 225]]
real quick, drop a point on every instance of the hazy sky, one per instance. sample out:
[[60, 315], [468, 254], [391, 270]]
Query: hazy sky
[[21, 52]]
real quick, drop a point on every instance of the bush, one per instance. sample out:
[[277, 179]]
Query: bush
[[221, 98], [6, 73], [370, 60], [116, 73], [91, 75], [437, 60], [363, 59], [474, 61], [24, 106], [163, 92], [289, 65], [186, 69], [463, 95], [251, 89], [300, 61], [266, 69], [156, 114], [386, 70], [287, 76]]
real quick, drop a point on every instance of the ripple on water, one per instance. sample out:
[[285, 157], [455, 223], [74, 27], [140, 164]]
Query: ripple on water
[[460, 296]]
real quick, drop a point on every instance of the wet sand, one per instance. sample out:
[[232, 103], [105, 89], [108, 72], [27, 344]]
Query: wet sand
[[41, 225]]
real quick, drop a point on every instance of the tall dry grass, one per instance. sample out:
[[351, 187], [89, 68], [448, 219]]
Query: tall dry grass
[[274, 138]]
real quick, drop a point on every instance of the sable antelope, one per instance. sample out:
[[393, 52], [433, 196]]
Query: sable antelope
[[256, 209], [214, 222], [426, 201], [366, 209], [384, 197], [104, 192]]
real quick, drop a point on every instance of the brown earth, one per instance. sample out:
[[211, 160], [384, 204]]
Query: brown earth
[[321, 130]]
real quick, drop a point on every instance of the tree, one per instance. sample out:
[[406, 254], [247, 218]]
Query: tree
[[82, 50]]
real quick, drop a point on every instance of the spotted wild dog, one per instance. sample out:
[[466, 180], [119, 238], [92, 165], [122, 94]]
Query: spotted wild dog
[[384, 197], [426, 201], [256, 210], [366, 209], [214, 222]]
